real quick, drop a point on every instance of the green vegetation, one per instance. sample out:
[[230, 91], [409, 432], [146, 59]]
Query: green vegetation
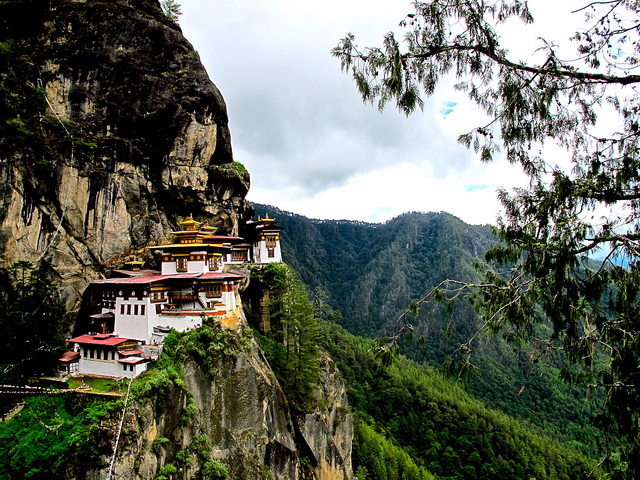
[[291, 346], [56, 435], [31, 319], [371, 273], [98, 385], [21, 103], [413, 423], [59, 436], [441, 428], [204, 346], [240, 168], [25, 126], [195, 456], [377, 458], [171, 9]]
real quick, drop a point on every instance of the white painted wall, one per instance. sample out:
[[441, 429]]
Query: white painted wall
[[195, 266], [261, 254], [168, 268], [133, 326], [92, 366], [109, 368]]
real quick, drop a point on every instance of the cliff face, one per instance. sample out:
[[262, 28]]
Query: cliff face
[[110, 132], [233, 411]]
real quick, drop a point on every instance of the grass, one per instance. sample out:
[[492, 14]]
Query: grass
[[98, 385]]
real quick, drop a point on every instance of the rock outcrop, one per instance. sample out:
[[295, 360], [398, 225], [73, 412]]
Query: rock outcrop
[[110, 132], [237, 415]]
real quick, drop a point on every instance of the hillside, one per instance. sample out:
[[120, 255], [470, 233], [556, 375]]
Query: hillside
[[443, 429], [373, 271]]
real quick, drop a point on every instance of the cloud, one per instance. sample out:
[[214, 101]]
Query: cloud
[[300, 127]]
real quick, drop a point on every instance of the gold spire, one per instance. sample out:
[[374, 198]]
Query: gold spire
[[190, 224]]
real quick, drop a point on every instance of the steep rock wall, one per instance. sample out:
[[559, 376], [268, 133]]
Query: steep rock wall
[[239, 407], [110, 133]]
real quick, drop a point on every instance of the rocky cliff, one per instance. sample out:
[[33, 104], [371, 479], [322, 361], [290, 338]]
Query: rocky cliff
[[110, 132], [230, 410]]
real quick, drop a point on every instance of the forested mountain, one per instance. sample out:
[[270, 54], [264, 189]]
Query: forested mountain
[[444, 430], [371, 272]]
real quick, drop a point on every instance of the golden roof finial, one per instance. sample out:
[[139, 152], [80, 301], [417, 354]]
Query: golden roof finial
[[190, 224]]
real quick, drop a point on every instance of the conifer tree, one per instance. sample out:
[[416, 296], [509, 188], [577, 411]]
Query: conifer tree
[[31, 320], [295, 328], [550, 229], [171, 9]]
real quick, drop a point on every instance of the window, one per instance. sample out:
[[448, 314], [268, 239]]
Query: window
[[135, 309], [129, 309], [213, 290], [213, 263], [142, 309], [158, 296], [122, 309], [271, 241], [181, 264], [239, 256]]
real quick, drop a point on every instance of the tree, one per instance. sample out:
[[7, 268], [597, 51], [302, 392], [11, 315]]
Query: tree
[[31, 323], [294, 356], [172, 9], [550, 230]]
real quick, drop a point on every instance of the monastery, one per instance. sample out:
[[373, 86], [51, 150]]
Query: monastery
[[138, 307]]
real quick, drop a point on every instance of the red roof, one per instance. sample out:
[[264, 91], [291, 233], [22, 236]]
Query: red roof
[[146, 279], [68, 357], [220, 276], [191, 247], [131, 360], [128, 353], [99, 340]]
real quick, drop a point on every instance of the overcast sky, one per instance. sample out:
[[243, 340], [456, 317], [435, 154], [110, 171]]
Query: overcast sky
[[299, 126]]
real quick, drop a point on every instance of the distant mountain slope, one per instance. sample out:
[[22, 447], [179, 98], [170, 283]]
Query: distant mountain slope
[[372, 272]]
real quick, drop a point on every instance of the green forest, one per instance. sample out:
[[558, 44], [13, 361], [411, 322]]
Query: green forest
[[520, 381], [533, 376], [411, 422]]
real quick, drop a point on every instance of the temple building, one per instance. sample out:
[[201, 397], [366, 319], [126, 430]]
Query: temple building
[[266, 246], [138, 307]]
